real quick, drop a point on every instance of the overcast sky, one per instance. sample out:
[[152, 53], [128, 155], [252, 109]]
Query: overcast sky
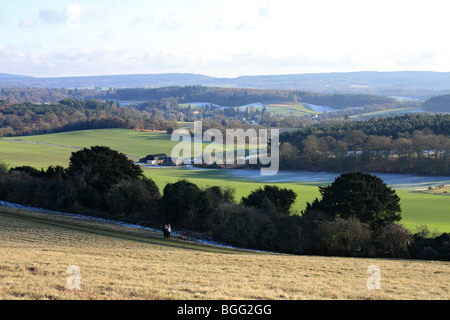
[[222, 38]]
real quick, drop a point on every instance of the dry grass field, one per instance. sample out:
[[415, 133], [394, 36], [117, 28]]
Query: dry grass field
[[118, 262]]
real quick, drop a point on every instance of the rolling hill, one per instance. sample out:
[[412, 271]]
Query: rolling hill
[[12, 77], [419, 84]]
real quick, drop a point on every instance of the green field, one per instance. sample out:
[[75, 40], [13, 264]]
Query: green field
[[387, 112], [418, 209], [35, 155], [297, 110], [129, 142], [219, 177], [425, 209], [57, 147]]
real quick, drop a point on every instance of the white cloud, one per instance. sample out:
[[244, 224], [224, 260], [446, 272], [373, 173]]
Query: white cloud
[[28, 23], [173, 21], [3, 48], [141, 20], [264, 12], [50, 15], [73, 15], [226, 38]]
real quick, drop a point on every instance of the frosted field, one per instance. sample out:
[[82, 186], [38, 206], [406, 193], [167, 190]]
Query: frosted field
[[319, 178]]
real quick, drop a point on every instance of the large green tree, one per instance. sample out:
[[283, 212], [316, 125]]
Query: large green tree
[[102, 167], [362, 196], [279, 199], [185, 205]]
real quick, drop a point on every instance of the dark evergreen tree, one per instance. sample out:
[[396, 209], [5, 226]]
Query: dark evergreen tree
[[102, 167], [280, 199], [185, 205], [362, 196]]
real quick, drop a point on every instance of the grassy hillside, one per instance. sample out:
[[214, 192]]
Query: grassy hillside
[[135, 144], [32, 154], [126, 141], [118, 262], [297, 110]]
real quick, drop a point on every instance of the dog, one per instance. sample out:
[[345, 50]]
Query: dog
[[181, 238]]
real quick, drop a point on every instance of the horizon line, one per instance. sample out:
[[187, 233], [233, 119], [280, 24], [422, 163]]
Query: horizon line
[[219, 77]]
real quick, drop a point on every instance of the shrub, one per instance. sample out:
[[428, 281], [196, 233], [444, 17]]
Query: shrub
[[245, 227], [431, 248], [428, 253], [289, 238], [394, 241], [344, 237], [281, 199], [184, 204], [136, 197], [220, 195]]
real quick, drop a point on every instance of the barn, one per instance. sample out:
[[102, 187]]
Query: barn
[[170, 161], [153, 158]]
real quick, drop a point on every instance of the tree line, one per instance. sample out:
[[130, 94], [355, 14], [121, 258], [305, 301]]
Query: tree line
[[407, 144], [388, 126], [244, 96], [68, 115], [215, 95], [357, 215], [46, 95]]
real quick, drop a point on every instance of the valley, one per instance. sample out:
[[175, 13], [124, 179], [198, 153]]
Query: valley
[[55, 149]]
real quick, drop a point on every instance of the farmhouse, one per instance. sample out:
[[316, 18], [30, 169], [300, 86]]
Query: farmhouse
[[153, 158], [161, 159], [170, 161]]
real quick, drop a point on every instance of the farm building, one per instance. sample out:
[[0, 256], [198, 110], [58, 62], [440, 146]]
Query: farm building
[[161, 159], [153, 158], [170, 161]]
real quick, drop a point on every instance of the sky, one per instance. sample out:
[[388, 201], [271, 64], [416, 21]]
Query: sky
[[221, 38]]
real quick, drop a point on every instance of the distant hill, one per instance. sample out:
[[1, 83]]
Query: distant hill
[[348, 80], [416, 84], [108, 81], [9, 77], [438, 104]]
